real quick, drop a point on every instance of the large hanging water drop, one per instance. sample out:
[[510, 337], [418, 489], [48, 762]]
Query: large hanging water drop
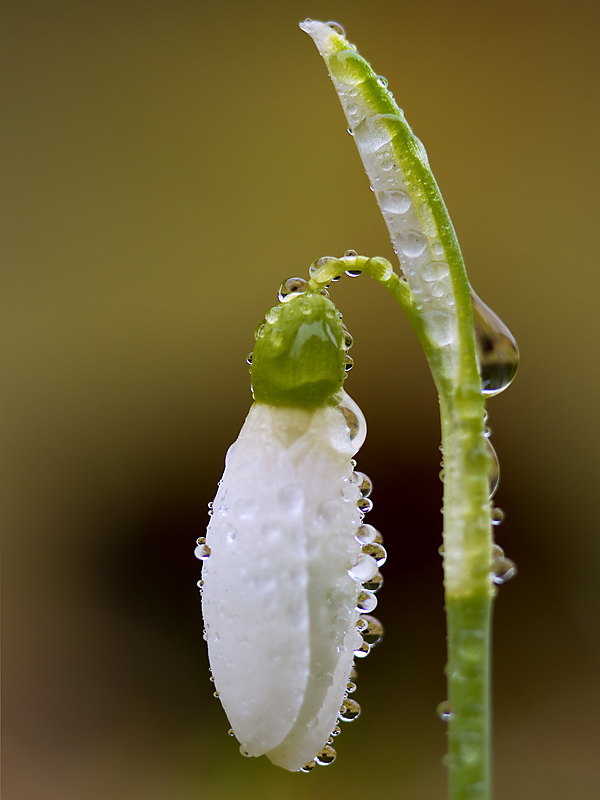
[[496, 348]]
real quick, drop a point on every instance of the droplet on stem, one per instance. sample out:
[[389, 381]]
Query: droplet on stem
[[497, 349], [503, 569], [494, 471], [291, 288]]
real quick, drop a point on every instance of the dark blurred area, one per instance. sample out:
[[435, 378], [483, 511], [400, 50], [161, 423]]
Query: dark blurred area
[[166, 166]]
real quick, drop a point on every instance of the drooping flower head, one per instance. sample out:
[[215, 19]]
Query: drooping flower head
[[286, 586]]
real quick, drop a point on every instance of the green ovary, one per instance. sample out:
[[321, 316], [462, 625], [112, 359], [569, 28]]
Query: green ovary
[[298, 360]]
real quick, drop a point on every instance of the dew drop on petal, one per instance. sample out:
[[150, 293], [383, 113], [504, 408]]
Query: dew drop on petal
[[364, 505], [366, 534], [444, 710], [373, 633], [363, 482], [362, 650], [202, 550], [325, 756], [376, 551], [355, 421], [365, 569], [375, 583], [366, 601], [349, 710]]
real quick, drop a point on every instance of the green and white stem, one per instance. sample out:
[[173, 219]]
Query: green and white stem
[[465, 344]]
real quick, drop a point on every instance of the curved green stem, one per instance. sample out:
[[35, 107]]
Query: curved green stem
[[434, 292]]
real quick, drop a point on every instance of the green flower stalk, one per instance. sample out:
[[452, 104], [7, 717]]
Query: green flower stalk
[[471, 354]]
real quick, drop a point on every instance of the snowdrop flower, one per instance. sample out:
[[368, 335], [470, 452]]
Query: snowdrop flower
[[285, 580]]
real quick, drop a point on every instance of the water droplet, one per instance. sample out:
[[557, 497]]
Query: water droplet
[[335, 26], [308, 767], [365, 484], [410, 243], [375, 583], [202, 550], [394, 202], [438, 327], [200, 584], [497, 516], [259, 328], [444, 710], [249, 358], [435, 271], [215, 694], [366, 601], [357, 426], [349, 710], [316, 266], [503, 569], [291, 498], [354, 273], [244, 752], [382, 81], [349, 130], [496, 348], [351, 687], [387, 166], [336, 731], [494, 470], [365, 569], [364, 505], [352, 109], [347, 340], [375, 132], [373, 633], [325, 756], [353, 674], [348, 363], [231, 732], [291, 288], [362, 649], [312, 723], [366, 534], [377, 552]]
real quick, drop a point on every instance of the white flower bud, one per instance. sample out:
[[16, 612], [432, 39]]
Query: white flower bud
[[278, 603]]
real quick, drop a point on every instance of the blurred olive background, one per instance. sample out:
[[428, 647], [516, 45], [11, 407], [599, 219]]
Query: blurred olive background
[[166, 165]]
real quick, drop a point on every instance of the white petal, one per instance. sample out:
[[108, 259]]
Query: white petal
[[278, 603]]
